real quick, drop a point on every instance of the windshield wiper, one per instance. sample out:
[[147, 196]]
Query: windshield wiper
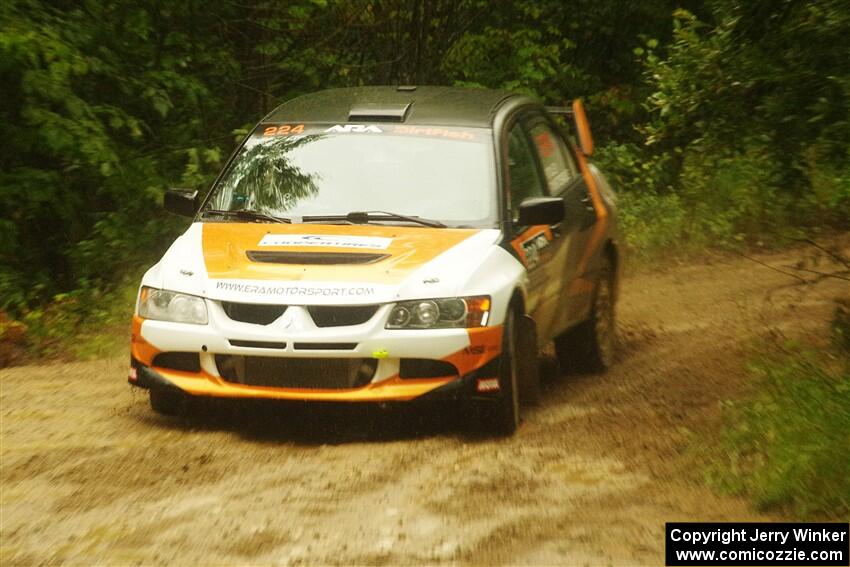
[[363, 217], [245, 214]]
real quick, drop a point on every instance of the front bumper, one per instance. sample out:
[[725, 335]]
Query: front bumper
[[474, 353]]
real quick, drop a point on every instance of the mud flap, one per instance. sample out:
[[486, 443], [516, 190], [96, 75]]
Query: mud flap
[[529, 370]]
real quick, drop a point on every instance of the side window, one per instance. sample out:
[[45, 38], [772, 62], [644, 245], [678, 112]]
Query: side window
[[555, 157], [524, 176]]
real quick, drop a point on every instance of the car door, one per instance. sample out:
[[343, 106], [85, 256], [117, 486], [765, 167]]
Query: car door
[[534, 169], [531, 243], [575, 299], [562, 178]]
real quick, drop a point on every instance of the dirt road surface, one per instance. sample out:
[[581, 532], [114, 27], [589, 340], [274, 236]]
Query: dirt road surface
[[90, 475]]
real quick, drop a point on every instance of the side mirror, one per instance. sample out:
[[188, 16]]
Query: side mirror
[[541, 210], [585, 138], [182, 202]]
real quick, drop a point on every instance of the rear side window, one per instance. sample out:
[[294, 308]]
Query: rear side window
[[524, 176], [558, 166]]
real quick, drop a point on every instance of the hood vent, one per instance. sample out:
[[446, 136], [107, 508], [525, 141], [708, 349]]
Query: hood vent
[[316, 258]]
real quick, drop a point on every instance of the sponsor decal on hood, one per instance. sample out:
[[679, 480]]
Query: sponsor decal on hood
[[326, 241]]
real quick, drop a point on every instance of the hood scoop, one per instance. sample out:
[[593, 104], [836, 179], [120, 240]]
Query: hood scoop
[[314, 258]]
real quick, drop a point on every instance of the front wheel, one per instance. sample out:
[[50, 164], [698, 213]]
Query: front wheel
[[590, 346], [166, 402], [503, 417]]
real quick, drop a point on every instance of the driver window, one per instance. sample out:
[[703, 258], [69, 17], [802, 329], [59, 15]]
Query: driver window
[[554, 155], [524, 176]]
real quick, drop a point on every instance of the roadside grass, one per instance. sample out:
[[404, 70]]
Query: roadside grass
[[715, 200], [109, 333], [661, 229], [82, 325], [786, 446]]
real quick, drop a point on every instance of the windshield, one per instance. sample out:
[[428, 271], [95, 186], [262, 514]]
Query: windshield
[[297, 170]]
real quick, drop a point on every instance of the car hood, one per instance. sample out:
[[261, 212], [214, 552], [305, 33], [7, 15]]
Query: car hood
[[320, 264]]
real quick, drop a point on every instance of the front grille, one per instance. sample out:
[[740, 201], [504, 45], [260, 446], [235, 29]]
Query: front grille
[[185, 361], [341, 315], [256, 313], [256, 344], [305, 373], [314, 258], [425, 368]]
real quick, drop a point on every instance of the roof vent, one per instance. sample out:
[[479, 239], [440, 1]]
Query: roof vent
[[379, 113]]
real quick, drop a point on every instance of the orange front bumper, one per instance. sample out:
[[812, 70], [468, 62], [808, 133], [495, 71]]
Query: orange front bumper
[[484, 348]]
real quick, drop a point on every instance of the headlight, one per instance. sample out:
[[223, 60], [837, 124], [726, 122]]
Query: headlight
[[172, 306], [454, 312]]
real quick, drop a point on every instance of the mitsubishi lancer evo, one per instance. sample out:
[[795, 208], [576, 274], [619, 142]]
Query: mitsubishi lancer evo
[[388, 244]]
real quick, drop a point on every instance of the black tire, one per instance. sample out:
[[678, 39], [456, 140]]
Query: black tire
[[529, 365], [590, 346], [166, 402], [503, 417]]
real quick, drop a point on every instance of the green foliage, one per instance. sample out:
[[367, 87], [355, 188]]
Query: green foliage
[[85, 323], [841, 326], [748, 129], [482, 59], [755, 113], [828, 199], [774, 74], [105, 100], [652, 223], [787, 447], [716, 200], [632, 168], [732, 197]]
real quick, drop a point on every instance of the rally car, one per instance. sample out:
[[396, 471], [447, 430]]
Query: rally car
[[387, 244]]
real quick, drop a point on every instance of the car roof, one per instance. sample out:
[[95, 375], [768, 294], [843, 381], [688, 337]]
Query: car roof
[[444, 106]]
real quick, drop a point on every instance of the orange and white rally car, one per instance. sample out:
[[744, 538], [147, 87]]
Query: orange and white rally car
[[387, 244]]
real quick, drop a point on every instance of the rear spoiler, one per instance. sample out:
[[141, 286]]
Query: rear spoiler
[[576, 112]]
